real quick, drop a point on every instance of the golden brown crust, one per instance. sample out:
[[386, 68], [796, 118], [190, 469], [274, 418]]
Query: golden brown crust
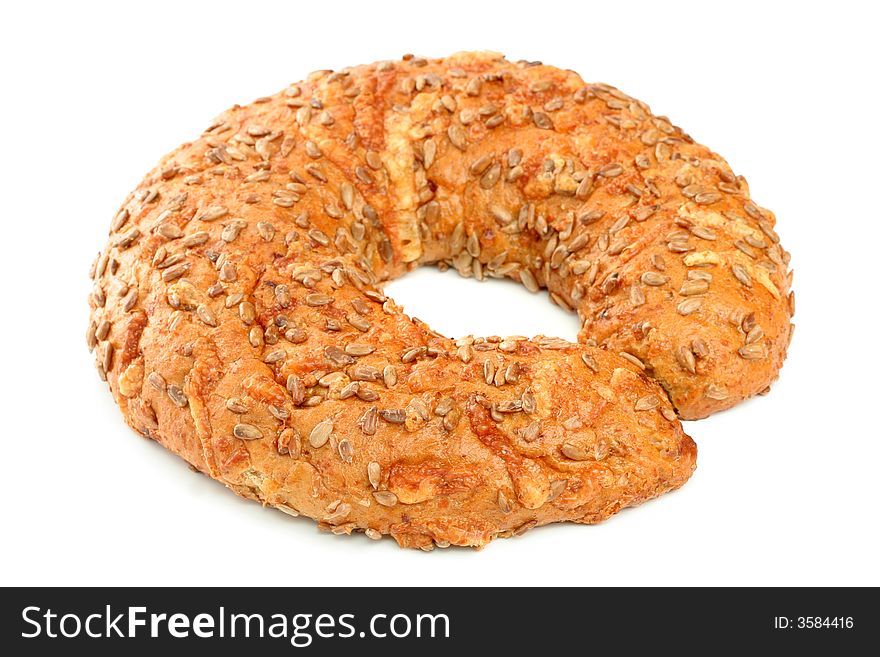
[[238, 320]]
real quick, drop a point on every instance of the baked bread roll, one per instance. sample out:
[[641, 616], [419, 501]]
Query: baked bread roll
[[238, 317]]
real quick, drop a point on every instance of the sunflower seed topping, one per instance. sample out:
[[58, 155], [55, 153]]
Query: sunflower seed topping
[[575, 452], [374, 474], [753, 351], [247, 432], [320, 434], [369, 421], [385, 497], [689, 306], [647, 403], [176, 394], [654, 279]]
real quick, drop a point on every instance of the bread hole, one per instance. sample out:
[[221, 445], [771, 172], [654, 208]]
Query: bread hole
[[456, 306]]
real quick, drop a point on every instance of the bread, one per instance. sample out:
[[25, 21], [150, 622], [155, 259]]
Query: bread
[[238, 317]]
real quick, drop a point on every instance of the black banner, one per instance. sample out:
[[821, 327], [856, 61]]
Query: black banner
[[403, 620]]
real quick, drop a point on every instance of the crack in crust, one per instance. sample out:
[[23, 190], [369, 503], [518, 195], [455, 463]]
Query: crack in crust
[[238, 318]]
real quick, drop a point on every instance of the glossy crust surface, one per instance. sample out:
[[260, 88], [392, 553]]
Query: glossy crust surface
[[238, 317]]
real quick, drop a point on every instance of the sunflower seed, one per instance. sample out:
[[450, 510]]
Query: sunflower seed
[[367, 394], [611, 170], [752, 351], [213, 213], [637, 295], [526, 526], [679, 246], [647, 403], [385, 497], [103, 330], [412, 354], [361, 324], [236, 405], [357, 349], [419, 408], [528, 280], [590, 362], [296, 335], [374, 474], [204, 313], [528, 403], [177, 395], [451, 419], [195, 239], [170, 231], [120, 220], [694, 287], [510, 406], [685, 358], [557, 488], [755, 334], [444, 406], [584, 188], [232, 230], [703, 232], [689, 306], [488, 371], [247, 432], [393, 416], [346, 195], [575, 452], [175, 272], [479, 166], [337, 356], [346, 450], [716, 392], [157, 381], [745, 248], [369, 421], [107, 360], [320, 434], [340, 512], [457, 136], [654, 279], [373, 159], [365, 373], [531, 431], [429, 152], [318, 299], [350, 390], [289, 442], [635, 360], [590, 216], [296, 389], [275, 356], [741, 274], [542, 121], [705, 198], [491, 176]]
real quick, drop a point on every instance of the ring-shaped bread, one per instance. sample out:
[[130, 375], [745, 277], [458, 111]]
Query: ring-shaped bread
[[238, 317]]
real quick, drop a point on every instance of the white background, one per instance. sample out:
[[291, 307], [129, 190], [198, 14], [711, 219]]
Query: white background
[[787, 486]]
